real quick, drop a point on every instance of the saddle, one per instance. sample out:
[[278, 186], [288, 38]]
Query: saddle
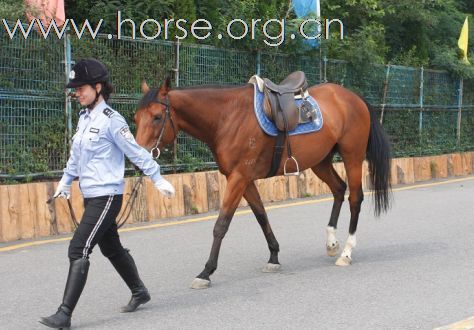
[[279, 100], [279, 106]]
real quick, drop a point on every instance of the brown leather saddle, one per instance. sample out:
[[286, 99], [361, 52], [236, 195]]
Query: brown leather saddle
[[279, 101], [279, 106]]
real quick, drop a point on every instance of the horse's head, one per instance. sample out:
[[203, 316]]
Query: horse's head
[[154, 118]]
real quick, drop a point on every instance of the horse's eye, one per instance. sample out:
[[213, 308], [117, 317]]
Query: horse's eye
[[157, 119]]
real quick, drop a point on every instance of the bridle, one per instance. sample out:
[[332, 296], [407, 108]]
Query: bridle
[[133, 195], [166, 103]]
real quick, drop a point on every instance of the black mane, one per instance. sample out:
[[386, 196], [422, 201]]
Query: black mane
[[208, 86], [152, 95]]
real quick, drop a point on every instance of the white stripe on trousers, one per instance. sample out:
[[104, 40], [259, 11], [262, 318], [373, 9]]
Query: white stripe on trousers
[[96, 227]]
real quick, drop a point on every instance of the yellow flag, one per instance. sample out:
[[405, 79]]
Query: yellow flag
[[462, 42]]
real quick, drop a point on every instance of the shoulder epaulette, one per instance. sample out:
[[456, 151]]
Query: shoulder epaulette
[[108, 112]]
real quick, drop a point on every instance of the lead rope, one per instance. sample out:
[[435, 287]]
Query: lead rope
[[131, 201], [71, 211], [124, 215]]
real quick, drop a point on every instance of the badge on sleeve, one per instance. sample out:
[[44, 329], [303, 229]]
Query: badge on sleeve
[[125, 131]]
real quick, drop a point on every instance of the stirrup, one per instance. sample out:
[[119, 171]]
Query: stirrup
[[297, 172]]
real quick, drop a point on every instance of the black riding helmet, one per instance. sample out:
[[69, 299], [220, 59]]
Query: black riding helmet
[[87, 71]]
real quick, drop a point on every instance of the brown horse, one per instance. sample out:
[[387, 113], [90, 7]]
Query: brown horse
[[224, 119]]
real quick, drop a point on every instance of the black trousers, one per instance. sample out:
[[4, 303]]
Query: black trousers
[[97, 226]]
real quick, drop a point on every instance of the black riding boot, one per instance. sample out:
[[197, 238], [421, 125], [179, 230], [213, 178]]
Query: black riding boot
[[76, 280], [127, 269]]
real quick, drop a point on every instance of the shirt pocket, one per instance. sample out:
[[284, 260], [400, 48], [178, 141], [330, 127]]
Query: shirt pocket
[[93, 141]]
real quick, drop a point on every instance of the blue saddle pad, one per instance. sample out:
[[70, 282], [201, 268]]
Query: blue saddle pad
[[270, 128]]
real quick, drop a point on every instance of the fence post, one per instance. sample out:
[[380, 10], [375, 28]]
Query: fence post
[[384, 97], [67, 100], [325, 60], [320, 63], [422, 86], [176, 79], [258, 63], [460, 96], [176, 64]]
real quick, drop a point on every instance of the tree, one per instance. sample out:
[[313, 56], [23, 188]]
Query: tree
[[12, 10], [138, 11], [376, 31]]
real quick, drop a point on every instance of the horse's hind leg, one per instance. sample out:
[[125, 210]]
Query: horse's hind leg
[[326, 172], [253, 198], [236, 186], [353, 167]]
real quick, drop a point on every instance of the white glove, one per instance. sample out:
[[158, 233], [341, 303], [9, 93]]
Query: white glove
[[165, 187], [63, 190]]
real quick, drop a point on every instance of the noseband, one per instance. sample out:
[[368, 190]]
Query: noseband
[[166, 103]]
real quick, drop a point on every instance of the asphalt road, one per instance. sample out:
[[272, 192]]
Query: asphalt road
[[413, 268]]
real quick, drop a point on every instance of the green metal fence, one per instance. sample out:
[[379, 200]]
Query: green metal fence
[[32, 131], [423, 111]]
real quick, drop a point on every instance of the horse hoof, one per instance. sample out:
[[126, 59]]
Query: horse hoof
[[343, 261], [333, 250], [199, 283], [271, 268]]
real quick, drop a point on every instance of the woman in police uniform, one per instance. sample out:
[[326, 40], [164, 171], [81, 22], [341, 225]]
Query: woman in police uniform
[[97, 159]]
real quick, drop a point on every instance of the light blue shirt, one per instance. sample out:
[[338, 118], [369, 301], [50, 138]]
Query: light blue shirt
[[97, 153]]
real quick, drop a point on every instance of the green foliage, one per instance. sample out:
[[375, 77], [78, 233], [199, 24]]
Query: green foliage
[[188, 163], [138, 11], [448, 59], [354, 13], [78, 9], [134, 60], [467, 127], [12, 9], [247, 10], [362, 51], [185, 9], [208, 9], [409, 57], [402, 32], [41, 150]]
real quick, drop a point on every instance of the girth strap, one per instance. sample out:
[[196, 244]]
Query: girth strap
[[277, 153], [279, 147]]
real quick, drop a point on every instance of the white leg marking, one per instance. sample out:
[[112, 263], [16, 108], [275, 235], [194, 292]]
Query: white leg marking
[[346, 257], [199, 283], [271, 268], [332, 245]]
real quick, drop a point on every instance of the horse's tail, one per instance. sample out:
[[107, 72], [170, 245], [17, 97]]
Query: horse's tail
[[379, 158]]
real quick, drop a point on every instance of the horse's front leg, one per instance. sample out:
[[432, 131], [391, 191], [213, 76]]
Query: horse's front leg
[[236, 186], [253, 198]]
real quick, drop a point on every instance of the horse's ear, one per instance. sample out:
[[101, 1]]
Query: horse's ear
[[144, 86], [165, 85]]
